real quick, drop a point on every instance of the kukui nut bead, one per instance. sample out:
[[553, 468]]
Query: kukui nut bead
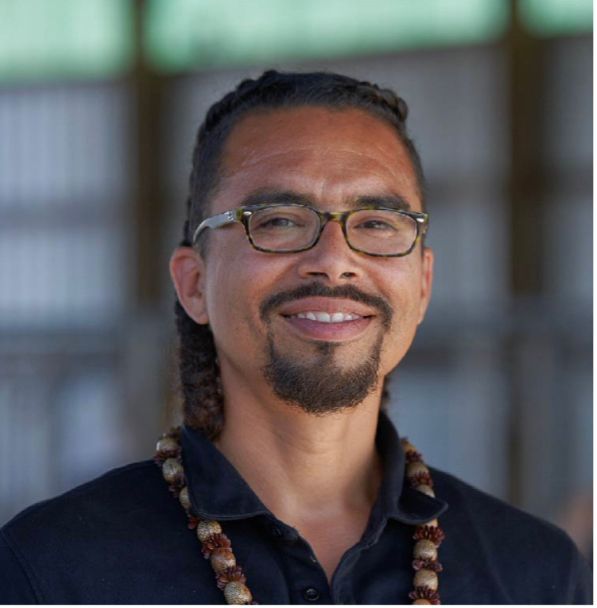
[[425, 549], [184, 499], [167, 445], [415, 468], [427, 579], [206, 527], [236, 592], [425, 489], [172, 470], [422, 601], [221, 559]]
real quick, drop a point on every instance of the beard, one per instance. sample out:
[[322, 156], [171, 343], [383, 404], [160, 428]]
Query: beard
[[321, 386]]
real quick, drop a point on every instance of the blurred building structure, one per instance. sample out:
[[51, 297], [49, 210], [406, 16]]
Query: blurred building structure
[[99, 104]]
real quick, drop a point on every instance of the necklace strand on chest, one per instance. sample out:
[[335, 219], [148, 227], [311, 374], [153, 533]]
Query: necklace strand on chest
[[216, 546]]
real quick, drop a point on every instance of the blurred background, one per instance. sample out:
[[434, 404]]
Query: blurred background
[[99, 104]]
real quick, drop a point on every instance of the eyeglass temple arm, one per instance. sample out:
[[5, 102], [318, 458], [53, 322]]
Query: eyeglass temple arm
[[216, 221]]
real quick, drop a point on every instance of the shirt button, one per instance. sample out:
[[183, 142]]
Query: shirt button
[[311, 594]]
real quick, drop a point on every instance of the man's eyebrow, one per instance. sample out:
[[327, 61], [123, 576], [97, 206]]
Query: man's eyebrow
[[285, 197], [391, 201], [276, 197]]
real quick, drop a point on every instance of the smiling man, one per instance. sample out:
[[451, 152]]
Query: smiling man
[[301, 280]]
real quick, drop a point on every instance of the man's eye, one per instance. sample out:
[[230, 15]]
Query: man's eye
[[276, 223], [377, 224]]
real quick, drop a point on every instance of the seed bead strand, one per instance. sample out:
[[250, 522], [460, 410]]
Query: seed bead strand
[[216, 546], [428, 537]]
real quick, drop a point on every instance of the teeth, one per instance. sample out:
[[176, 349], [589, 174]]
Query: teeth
[[325, 317]]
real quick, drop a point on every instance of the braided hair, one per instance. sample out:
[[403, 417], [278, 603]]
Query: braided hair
[[203, 406]]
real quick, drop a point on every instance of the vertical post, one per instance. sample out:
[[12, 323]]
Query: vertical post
[[148, 208], [142, 362], [527, 212]]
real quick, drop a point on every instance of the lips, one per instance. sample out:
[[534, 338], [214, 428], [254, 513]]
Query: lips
[[327, 319], [322, 306]]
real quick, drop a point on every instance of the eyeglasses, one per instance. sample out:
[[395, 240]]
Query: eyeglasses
[[291, 228]]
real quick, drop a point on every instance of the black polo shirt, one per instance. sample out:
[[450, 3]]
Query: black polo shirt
[[122, 538]]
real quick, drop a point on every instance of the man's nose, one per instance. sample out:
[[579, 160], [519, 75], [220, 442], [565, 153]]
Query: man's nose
[[331, 258]]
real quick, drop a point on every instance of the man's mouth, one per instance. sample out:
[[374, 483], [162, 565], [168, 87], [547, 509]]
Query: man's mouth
[[326, 317], [316, 305]]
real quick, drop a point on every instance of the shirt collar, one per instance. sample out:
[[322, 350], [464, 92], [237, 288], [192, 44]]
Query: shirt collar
[[218, 491], [216, 488], [398, 500]]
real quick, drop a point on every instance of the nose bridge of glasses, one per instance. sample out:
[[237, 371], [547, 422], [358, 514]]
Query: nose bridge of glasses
[[333, 216], [330, 216]]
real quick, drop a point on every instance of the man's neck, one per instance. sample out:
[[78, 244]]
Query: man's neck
[[296, 461], [316, 473]]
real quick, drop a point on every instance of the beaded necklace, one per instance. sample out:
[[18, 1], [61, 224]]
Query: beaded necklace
[[216, 546]]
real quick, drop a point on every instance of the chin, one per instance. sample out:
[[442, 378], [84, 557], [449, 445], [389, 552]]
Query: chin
[[326, 383]]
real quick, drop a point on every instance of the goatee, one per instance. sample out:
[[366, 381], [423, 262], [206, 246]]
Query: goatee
[[321, 386]]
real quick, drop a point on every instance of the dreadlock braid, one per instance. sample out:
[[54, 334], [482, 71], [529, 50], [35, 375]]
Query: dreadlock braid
[[200, 376], [199, 372]]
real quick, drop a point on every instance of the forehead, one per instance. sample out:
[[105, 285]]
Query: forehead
[[325, 154]]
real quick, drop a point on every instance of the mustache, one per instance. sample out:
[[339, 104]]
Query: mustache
[[349, 292]]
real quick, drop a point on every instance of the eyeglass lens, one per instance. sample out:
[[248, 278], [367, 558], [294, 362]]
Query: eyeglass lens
[[291, 228]]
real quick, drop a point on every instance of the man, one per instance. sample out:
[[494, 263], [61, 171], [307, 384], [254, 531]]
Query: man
[[301, 280]]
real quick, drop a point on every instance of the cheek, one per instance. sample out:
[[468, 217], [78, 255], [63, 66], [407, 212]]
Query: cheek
[[238, 281], [227, 306], [222, 291], [403, 285], [405, 298]]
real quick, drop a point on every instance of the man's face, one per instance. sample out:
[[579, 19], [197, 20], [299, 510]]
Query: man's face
[[256, 302]]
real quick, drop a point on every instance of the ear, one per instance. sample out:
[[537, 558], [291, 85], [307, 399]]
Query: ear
[[187, 270], [426, 281]]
